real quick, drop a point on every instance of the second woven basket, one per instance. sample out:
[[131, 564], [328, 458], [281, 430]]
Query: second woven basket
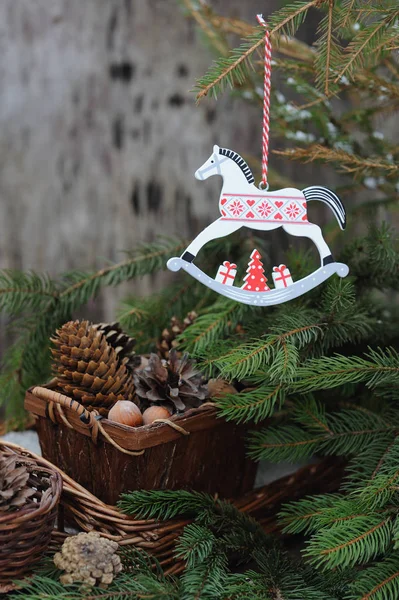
[[25, 533]]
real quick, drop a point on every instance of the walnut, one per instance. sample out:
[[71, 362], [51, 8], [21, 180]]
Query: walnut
[[89, 559]]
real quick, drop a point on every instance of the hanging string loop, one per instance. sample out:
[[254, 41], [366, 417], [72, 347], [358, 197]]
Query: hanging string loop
[[266, 104]]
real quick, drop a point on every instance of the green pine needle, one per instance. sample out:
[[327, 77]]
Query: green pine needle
[[377, 582], [352, 542], [163, 504]]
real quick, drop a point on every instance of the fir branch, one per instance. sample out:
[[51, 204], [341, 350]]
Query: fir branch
[[147, 259], [231, 70], [348, 6], [347, 162], [278, 350], [163, 504], [312, 513], [329, 44], [234, 69], [21, 291], [380, 491], [379, 367], [350, 542], [250, 405], [345, 432], [374, 38], [289, 18], [338, 295], [130, 314], [123, 588], [312, 415], [382, 250], [377, 582], [284, 443], [287, 45], [352, 431], [361, 468], [195, 545], [205, 579], [217, 321], [384, 457], [328, 51]]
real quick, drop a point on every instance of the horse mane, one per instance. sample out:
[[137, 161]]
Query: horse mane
[[240, 162]]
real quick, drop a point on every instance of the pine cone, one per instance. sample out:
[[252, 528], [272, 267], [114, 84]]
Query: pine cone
[[168, 340], [14, 488], [88, 368], [89, 559], [120, 341], [174, 383]]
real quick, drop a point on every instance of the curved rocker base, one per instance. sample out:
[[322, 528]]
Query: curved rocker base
[[275, 296]]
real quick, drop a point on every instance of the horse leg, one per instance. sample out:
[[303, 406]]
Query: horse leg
[[215, 230], [314, 233]]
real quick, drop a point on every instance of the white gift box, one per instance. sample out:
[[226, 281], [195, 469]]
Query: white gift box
[[281, 277], [226, 273]]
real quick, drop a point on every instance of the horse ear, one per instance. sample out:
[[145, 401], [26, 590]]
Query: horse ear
[[216, 149]]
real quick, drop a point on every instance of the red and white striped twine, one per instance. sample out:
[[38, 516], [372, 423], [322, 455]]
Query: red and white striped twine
[[266, 102]]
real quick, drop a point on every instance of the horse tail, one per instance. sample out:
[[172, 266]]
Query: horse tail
[[317, 192]]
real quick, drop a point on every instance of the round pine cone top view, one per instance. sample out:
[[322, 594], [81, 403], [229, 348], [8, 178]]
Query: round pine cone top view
[[174, 383], [89, 559]]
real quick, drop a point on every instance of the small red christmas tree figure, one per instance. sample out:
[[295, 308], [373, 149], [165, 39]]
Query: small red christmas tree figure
[[256, 280]]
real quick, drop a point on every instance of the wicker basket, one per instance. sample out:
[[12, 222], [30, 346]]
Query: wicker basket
[[189, 451], [25, 534], [84, 511]]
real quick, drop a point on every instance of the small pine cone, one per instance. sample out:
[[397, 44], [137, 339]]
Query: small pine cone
[[120, 341], [14, 487], [88, 368], [89, 559], [168, 341]]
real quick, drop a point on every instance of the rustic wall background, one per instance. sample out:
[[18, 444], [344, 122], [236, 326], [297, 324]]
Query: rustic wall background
[[99, 135]]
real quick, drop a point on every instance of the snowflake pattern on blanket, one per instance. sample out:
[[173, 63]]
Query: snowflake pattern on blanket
[[263, 207]]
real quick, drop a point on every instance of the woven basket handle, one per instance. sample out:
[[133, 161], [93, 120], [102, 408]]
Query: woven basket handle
[[92, 419], [57, 398]]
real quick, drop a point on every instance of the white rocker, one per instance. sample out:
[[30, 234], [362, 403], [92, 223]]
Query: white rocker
[[276, 296]]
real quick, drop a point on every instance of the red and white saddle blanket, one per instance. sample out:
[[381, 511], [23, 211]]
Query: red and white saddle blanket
[[263, 207]]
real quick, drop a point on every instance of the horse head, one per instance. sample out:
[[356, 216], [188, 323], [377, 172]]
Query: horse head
[[210, 166], [226, 162]]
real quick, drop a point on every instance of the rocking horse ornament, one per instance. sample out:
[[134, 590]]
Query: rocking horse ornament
[[242, 204]]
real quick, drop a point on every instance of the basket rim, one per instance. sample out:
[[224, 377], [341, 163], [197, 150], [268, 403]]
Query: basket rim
[[27, 513], [208, 406], [129, 438]]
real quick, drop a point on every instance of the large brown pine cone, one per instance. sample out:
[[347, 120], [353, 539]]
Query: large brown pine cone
[[174, 383], [88, 368], [14, 488]]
